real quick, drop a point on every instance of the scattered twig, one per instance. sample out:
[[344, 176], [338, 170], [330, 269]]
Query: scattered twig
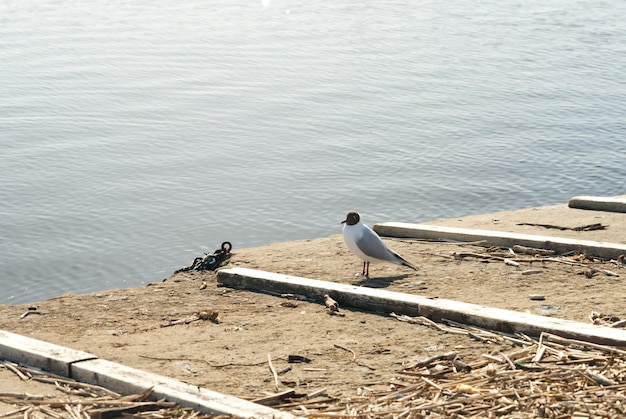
[[274, 399], [15, 370], [273, 371], [531, 271], [511, 262], [550, 226], [588, 227], [532, 251]]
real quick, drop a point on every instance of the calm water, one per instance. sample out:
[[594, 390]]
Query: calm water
[[135, 135]]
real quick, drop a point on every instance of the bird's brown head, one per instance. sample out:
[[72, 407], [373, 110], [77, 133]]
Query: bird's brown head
[[352, 218]]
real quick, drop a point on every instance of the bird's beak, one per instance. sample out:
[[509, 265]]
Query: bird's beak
[[343, 221]]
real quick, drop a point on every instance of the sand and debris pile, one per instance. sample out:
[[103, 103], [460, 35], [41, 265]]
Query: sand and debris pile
[[549, 377]]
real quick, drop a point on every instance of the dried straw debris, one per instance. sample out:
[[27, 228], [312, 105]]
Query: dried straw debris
[[551, 377]]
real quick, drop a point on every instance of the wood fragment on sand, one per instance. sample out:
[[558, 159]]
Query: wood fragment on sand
[[273, 371], [532, 250], [274, 399], [587, 227]]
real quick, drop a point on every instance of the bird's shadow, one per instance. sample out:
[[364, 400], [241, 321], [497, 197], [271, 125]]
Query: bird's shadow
[[379, 282]]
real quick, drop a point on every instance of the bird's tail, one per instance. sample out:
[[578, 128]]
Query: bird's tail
[[406, 262]]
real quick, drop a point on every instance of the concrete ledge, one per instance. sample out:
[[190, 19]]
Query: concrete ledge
[[500, 238], [598, 203], [46, 356], [507, 321], [128, 380], [85, 367]]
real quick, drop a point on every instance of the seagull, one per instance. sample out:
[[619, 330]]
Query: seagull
[[367, 245]]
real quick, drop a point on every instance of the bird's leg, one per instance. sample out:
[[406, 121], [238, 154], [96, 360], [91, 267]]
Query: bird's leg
[[363, 271], [366, 269]]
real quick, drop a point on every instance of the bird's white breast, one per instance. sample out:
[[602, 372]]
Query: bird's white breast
[[351, 235]]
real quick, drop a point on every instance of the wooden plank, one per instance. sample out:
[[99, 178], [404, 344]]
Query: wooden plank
[[500, 238], [384, 301], [126, 380], [598, 203], [35, 353]]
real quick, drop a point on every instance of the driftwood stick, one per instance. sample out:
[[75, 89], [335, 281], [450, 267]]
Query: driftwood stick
[[15, 412], [15, 370], [424, 321], [50, 412], [273, 399], [461, 400], [124, 411], [590, 227], [532, 251], [139, 397], [608, 273], [461, 255], [508, 360], [73, 414], [598, 378], [494, 358], [397, 393], [273, 371], [486, 334], [430, 383], [20, 396], [565, 341], [317, 393], [552, 226], [76, 384], [619, 323], [541, 349], [446, 356], [511, 262]]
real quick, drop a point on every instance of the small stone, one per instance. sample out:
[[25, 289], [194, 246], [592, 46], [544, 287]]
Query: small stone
[[537, 297]]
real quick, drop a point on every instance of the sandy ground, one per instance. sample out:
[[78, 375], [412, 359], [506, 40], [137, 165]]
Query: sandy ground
[[134, 326]]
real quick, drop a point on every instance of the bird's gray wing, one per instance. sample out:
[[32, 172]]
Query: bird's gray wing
[[371, 244]]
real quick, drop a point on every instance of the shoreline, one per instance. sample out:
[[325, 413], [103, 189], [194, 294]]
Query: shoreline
[[507, 220]]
